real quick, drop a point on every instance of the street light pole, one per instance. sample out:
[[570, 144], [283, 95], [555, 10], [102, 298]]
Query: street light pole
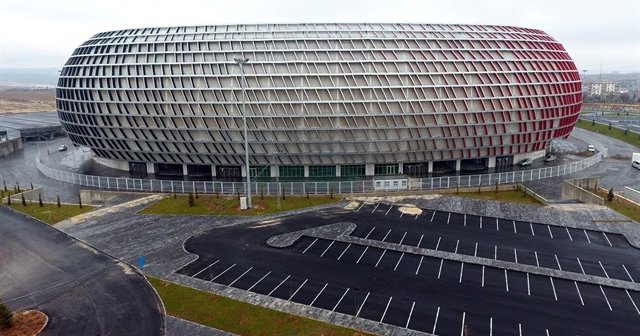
[[241, 62]]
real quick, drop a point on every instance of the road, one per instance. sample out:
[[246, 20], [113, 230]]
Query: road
[[83, 291]]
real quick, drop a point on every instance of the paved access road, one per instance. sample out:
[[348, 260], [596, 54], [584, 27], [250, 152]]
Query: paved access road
[[83, 291], [426, 293]]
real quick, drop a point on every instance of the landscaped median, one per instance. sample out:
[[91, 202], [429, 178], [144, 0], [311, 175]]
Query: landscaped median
[[236, 316], [613, 132], [230, 206], [50, 213]]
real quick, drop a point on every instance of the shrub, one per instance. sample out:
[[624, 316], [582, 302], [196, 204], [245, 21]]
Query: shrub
[[24, 201], [192, 201], [40, 200], [58, 200], [6, 317], [610, 195]]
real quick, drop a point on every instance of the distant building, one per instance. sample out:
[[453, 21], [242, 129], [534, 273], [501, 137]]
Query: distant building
[[603, 87]]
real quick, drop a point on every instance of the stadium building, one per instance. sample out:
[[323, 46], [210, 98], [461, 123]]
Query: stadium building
[[323, 100]]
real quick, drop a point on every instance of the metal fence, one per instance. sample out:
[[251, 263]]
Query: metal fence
[[314, 188]]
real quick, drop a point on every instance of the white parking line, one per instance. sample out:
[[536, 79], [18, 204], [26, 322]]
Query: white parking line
[[345, 250], [368, 234], [607, 238], [558, 262], [257, 282], [604, 270], [381, 256], [420, 264], [223, 272], [305, 250], [528, 285], [440, 269], [491, 326], [506, 280], [457, 243], [363, 252], [547, 331], [532, 232], [433, 215], [569, 233], [399, 260], [410, 313], [633, 302], [387, 235], [475, 251], [448, 218], [402, 213], [241, 275], [317, 295], [202, 270], [363, 302], [420, 241], [438, 243], [536, 254], [579, 294], [550, 233], [581, 268], [465, 220], [360, 207], [464, 315], [605, 297], [385, 310], [435, 323], [418, 215], [495, 252], [403, 236], [374, 209], [629, 275], [515, 253], [327, 249], [482, 275], [391, 207], [555, 295], [515, 230], [296, 292], [497, 225], [280, 284], [586, 235], [481, 222], [461, 270], [342, 297], [520, 329]]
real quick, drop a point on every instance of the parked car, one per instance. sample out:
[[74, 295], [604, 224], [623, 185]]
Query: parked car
[[591, 148], [550, 158], [62, 148], [526, 162], [635, 164]]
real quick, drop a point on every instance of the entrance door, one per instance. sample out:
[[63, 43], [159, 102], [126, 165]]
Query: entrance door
[[228, 172]]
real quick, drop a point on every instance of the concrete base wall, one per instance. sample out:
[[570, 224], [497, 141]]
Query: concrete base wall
[[632, 194], [533, 155], [29, 196], [98, 196], [574, 190], [115, 164], [10, 146]]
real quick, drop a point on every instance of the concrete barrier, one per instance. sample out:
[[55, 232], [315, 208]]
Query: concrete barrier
[[9, 146], [30, 195], [631, 194], [533, 194], [576, 190], [91, 196]]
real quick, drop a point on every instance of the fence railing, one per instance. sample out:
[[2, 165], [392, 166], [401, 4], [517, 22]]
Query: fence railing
[[314, 188]]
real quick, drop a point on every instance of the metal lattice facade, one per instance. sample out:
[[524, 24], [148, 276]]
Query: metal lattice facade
[[319, 94]]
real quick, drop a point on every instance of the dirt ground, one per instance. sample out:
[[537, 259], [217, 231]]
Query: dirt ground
[[27, 101]]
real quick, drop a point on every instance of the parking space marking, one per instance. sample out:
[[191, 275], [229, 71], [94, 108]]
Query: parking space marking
[[363, 252], [403, 236], [482, 275], [629, 275], [558, 262], [435, 323], [465, 220], [363, 302], [461, 271], [607, 238], [342, 297], [464, 315], [387, 235], [345, 250], [305, 250], [491, 326], [537, 261], [581, 268], [475, 251], [520, 329], [296, 292], [586, 235], [257, 282], [440, 269], [547, 331], [402, 213], [605, 271], [438, 243], [368, 234], [528, 285], [514, 228], [497, 225], [633, 302], [531, 226], [579, 294], [481, 222], [202, 270], [448, 218], [569, 233], [327, 249], [605, 297], [223, 272], [457, 243], [418, 215], [360, 207], [386, 213], [410, 313], [241, 275], [515, 253], [555, 295], [495, 252], [381, 256], [419, 264], [398, 263], [432, 215], [420, 241], [506, 280], [374, 209], [385, 310], [281, 282], [317, 295], [550, 233]]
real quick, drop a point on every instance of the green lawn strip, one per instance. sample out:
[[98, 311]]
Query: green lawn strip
[[236, 316], [622, 206], [230, 206], [616, 133], [514, 196], [50, 213]]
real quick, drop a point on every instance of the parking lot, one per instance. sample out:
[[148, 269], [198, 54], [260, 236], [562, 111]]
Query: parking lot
[[429, 294]]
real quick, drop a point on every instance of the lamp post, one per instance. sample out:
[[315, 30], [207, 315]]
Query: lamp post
[[241, 62]]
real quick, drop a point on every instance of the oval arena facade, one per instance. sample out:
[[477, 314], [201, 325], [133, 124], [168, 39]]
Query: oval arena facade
[[322, 100]]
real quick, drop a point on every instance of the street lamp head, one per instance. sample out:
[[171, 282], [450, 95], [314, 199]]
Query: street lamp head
[[241, 60]]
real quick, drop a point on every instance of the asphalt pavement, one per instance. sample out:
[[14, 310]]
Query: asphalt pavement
[[82, 290]]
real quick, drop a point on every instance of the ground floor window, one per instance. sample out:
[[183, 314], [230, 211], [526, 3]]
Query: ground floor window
[[291, 171], [260, 171], [386, 169], [322, 171], [352, 170]]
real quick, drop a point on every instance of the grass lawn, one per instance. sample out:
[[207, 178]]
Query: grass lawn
[[230, 206], [50, 213], [616, 133], [236, 316], [626, 208], [514, 196]]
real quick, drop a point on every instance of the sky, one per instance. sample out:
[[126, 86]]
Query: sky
[[43, 33]]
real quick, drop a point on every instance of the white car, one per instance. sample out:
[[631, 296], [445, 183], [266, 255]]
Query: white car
[[62, 148], [635, 164], [591, 148], [526, 162]]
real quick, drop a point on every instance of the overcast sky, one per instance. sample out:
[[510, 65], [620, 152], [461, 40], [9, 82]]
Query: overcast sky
[[43, 33]]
